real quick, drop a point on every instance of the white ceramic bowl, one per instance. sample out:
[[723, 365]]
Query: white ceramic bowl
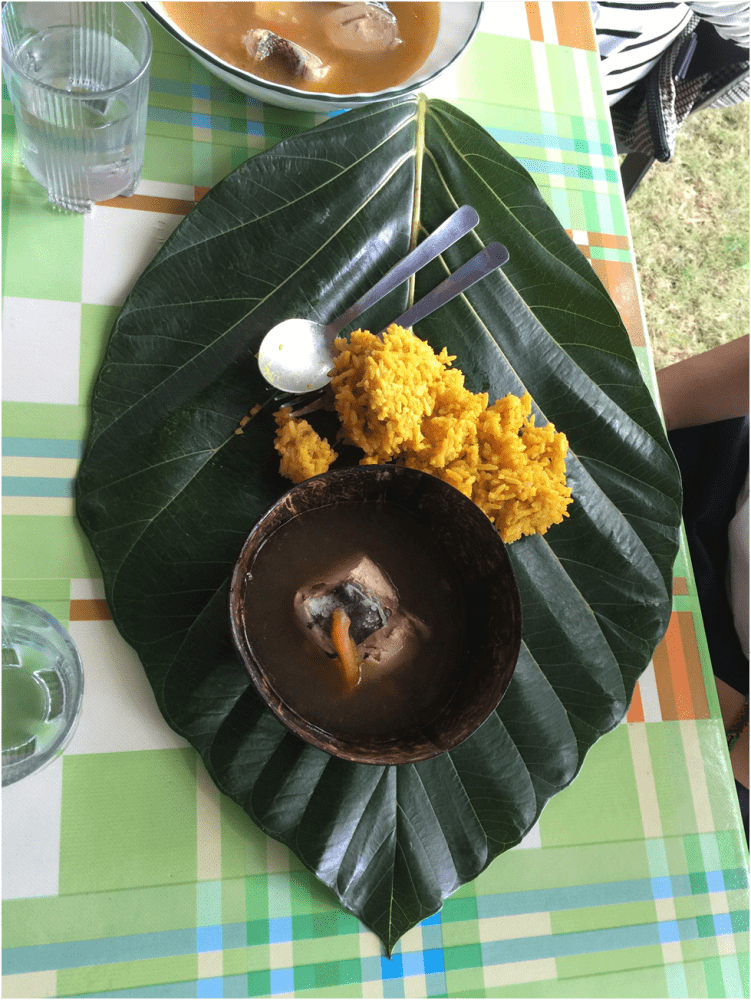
[[457, 27]]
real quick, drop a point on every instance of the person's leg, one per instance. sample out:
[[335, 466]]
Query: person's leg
[[713, 460]]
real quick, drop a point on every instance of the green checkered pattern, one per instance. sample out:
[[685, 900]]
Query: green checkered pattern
[[126, 873]]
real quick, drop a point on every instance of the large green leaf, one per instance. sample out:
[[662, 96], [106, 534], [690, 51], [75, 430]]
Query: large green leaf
[[167, 492]]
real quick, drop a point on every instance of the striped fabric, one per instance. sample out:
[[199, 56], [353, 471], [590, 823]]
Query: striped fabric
[[632, 36]]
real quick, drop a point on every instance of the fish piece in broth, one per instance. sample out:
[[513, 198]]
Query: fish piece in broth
[[285, 59], [362, 27]]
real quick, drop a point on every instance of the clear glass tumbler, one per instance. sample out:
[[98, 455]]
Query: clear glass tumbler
[[78, 79], [42, 689]]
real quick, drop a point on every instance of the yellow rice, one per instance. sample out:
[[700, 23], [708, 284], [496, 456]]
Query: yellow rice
[[304, 453], [399, 401]]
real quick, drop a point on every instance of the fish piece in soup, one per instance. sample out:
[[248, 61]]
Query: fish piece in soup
[[357, 585], [285, 59], [362, 27]]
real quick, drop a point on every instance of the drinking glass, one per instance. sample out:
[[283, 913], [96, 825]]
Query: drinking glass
[[42, 689], [78, 79]]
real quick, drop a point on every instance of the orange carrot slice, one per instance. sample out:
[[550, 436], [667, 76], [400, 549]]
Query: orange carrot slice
[[349, 659]]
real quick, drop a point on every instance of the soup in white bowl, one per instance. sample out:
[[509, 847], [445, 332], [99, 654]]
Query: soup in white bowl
[[338, 48], [456, 27]]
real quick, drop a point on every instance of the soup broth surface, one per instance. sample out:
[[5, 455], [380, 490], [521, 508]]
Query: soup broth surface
[[304, 550], [220, 27]]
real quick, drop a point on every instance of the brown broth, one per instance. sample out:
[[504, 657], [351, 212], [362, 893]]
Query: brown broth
[[219, 27], [309, 681]]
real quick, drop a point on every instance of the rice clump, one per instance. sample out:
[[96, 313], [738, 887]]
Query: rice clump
[[304, 453], [399, 401]]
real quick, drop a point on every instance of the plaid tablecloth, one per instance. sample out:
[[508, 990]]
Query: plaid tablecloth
[[125, 873]]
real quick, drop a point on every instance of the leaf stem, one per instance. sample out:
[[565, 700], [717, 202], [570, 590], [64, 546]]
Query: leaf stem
[[420, 113]]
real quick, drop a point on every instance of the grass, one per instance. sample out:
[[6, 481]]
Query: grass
[[690, 227]]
